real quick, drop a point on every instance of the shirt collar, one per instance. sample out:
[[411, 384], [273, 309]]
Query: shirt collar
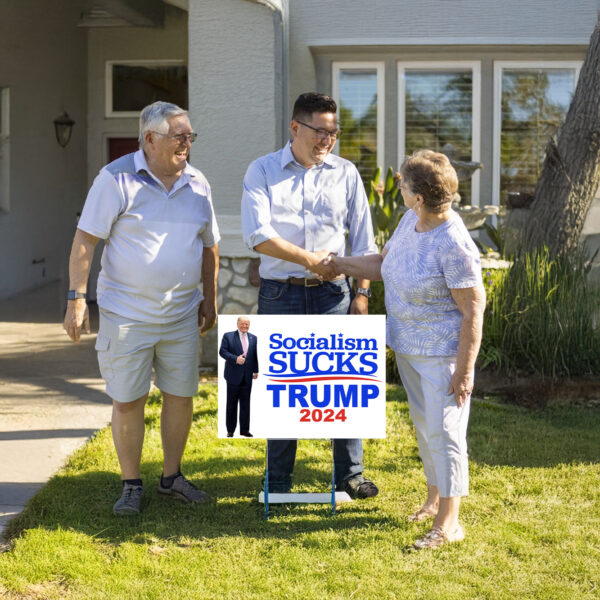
[[287, 157]]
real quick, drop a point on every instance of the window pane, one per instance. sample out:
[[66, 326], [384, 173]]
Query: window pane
[[358, 119], [534, 103], [137, 86], [438, 111]]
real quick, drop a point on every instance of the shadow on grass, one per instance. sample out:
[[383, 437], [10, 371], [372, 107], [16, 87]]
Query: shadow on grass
[[83, 503], [231, 472]]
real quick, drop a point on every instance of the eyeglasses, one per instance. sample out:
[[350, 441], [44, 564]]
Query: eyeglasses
[[322, 133], [182, 138]]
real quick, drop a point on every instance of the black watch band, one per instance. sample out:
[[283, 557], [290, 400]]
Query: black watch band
[[364, 291], [73, 295]]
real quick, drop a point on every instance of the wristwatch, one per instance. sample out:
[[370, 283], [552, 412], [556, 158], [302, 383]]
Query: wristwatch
[[364, 291], [73, 295]]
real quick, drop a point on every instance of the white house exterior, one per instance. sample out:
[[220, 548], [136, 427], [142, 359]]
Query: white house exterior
[[247, 60]]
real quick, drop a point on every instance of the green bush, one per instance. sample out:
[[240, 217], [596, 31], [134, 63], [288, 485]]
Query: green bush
[[541, 317]]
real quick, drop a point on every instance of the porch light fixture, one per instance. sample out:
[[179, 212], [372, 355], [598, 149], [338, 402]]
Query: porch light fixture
[[63, 127]]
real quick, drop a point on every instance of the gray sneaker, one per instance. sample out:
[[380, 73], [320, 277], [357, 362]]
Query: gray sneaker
[[130, 501], [183, 489]]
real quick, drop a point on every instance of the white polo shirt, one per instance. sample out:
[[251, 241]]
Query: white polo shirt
[[152, 259]]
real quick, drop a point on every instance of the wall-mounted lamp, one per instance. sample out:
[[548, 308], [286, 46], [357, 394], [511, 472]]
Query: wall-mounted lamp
[[63, 126]]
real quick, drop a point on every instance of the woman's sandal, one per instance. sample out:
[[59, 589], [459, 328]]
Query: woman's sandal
[[422, 515], [437, 536]]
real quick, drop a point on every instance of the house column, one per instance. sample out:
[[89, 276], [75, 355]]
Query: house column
[[237, 88]]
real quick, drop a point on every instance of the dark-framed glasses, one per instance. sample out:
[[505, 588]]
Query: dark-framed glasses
[[322, 133], [182, 138]]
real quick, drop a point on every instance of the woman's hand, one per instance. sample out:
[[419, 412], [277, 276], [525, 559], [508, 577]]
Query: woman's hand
[[461, 385]]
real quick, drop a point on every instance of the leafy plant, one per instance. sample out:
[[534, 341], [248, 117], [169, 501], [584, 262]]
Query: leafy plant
[[542, 317], [387, 205], [497, 239]]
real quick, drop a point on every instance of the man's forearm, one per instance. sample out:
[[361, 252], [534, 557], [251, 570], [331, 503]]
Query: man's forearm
[[80, 261], [210, 272], [279, 248]]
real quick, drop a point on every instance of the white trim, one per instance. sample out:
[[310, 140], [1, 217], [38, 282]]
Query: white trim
[[108, 84], [379, 68], [459, 65], [499, 66], [424, 40]]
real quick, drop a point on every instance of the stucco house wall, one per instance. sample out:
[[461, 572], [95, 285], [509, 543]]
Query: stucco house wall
[[44, 68], [235, 99]]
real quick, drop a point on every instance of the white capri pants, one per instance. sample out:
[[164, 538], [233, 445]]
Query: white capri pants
[[440, 424]]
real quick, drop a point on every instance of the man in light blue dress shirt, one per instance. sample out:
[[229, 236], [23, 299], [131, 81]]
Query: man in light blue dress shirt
[[298, 205]]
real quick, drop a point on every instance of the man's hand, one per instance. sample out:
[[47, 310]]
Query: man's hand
[[254, 375], [207, 315], [76, 317], [360, 305], [325, 268], [461, 385], [241, 359]]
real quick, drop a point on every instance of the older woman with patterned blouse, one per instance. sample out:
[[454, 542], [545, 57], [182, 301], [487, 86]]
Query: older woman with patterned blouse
[[435, 301]]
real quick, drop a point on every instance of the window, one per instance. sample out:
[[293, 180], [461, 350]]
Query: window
[[530, 101], [439, 104], [358, 90], [131, 85], [4, 150]]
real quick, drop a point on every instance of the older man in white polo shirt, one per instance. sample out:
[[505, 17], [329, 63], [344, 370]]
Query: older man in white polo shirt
[[155, 213]]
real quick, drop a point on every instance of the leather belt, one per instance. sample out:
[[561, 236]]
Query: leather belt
[[305, 282]]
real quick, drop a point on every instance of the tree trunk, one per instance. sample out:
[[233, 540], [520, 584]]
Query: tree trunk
[[571, 171]]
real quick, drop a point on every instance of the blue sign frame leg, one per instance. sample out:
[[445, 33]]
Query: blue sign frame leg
[[267, 480], [332, 477]]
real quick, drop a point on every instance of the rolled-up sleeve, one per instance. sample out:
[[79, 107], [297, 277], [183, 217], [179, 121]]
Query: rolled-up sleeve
[[256, 207], [360, 227]]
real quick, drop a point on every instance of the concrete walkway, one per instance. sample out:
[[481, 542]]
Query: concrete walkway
[[51, 396]]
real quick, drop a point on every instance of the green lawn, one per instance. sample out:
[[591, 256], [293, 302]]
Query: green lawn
[[532, 520]]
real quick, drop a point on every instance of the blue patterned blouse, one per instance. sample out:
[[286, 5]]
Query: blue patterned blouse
[[418, 272]]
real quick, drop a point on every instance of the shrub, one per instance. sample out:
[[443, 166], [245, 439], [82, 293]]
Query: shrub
[[541, 317]]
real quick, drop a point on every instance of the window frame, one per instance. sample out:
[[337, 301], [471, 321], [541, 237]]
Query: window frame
[[446, 65], [379, 67], [108, 87], [524, 65]]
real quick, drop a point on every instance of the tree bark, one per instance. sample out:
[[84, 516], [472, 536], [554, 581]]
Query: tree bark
[[571, 170]]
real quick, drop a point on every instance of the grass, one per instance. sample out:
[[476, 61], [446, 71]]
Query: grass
[[532, 520]]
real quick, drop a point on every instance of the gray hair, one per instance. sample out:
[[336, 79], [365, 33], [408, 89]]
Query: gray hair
[[154, 118]]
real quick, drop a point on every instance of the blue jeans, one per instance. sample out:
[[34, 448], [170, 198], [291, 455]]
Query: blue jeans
[[329, 298]]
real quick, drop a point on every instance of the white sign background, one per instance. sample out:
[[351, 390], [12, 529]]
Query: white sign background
[[339, 369]]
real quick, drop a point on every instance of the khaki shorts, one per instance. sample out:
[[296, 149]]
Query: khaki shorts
[[128, 349]]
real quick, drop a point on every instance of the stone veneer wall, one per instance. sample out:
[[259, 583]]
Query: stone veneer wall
[[237, 294]]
